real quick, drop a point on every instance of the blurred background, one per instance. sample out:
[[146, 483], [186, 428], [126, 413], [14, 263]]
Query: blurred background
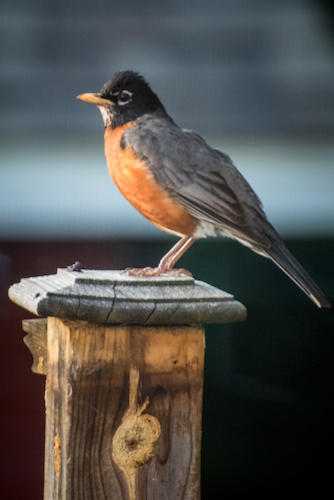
[[256, 79]]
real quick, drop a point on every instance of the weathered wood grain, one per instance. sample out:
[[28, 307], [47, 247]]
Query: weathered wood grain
[[36, 341], [123, 412], [123, 397], [112, 297]]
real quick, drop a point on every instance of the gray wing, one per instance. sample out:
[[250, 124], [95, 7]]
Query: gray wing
[[202, 179]]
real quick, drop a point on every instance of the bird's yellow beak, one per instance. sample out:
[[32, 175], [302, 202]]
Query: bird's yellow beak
[[95, 99]]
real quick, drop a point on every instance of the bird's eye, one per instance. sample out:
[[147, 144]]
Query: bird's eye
[[124, 97]]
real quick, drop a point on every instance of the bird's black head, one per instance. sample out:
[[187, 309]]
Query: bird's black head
[[126, 97]]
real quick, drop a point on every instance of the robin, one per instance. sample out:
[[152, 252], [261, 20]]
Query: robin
[[181, 184]]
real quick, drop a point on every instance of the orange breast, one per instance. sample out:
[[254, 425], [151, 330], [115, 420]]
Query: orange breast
[[133, 179]]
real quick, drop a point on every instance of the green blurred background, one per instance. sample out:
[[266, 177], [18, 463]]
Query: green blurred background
[[254, 78]]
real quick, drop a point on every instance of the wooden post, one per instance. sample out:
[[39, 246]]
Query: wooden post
[[124, 384]]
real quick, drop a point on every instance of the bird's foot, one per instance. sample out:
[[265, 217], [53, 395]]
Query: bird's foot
[[155, 271]]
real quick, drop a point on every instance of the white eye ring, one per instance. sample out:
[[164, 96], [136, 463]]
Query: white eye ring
[[124, 97]]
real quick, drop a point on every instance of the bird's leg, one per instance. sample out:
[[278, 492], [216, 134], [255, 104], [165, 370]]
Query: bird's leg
[[166, 264], [169, 260]]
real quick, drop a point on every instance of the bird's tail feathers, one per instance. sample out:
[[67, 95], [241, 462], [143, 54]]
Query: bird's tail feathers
[[284, 259]]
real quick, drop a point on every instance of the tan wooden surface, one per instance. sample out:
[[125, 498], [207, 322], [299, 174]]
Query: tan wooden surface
[[36, 341], [123, 411]]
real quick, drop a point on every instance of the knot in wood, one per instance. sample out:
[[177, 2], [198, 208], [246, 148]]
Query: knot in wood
[[134, 440]]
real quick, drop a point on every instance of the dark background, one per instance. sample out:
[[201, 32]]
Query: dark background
[[246, 75]]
